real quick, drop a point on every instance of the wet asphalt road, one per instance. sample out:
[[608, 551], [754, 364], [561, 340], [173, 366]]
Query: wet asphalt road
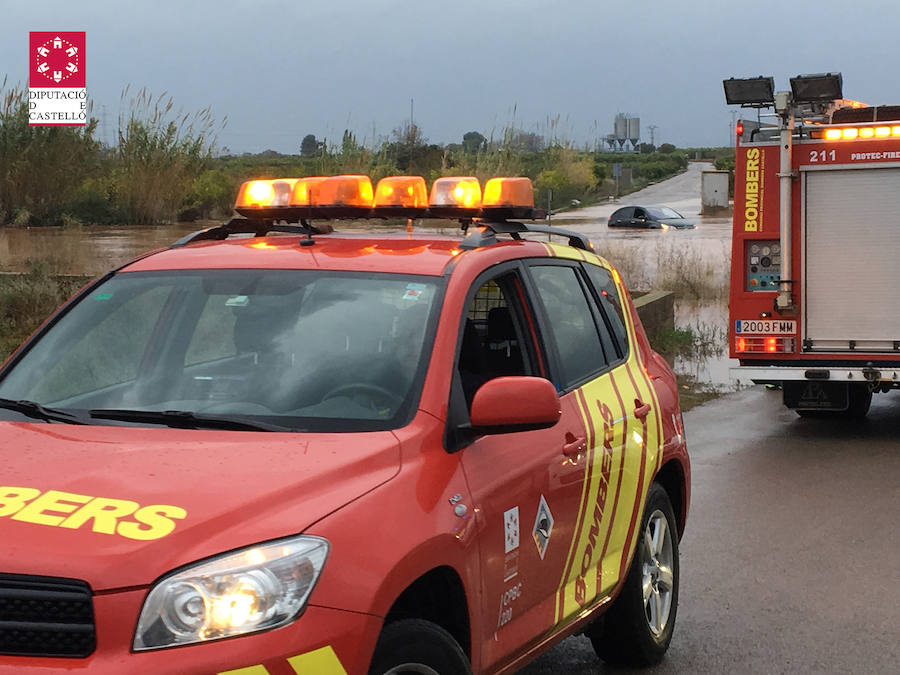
[[791, 558]]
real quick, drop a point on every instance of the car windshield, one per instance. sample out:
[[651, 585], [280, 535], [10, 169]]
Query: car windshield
[[662, 212], [296, 349]]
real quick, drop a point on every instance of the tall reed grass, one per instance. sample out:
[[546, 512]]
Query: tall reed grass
[[690, 270]]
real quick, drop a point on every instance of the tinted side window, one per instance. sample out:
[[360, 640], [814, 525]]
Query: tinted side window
[[611, 305], [571, 322], [639, 213], [621, 214]]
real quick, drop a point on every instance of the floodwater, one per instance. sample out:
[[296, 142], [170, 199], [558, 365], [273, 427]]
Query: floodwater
[[694, 263], [83, 250], [647, 259]]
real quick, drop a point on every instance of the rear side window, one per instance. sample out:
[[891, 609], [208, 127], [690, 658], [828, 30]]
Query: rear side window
[[622, 214], [571, 322], [611, 305]]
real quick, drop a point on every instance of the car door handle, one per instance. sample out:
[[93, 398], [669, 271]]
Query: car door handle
[[574, 446], [641, 409]]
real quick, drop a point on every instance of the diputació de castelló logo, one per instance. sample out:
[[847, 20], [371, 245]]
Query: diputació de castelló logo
[[57, 94]]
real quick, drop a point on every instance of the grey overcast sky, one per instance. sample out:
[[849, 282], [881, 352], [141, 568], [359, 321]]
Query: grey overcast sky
[[280, 70]]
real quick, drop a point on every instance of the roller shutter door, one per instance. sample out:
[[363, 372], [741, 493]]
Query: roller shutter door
[[852, 263]]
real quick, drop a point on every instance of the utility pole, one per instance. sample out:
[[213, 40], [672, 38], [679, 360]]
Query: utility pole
[[103, 129], [412, 127], [731, 130]]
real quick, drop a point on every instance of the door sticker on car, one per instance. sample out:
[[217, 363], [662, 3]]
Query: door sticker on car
[[511, 529], [543, 527], [511, 543]]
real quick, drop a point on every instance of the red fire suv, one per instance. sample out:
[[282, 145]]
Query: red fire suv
[[275, 449]]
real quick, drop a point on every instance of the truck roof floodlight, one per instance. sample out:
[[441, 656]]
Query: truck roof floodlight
[[817, 87], [750, 91]]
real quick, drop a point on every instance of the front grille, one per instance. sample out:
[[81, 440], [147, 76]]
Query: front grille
[[45, 616]]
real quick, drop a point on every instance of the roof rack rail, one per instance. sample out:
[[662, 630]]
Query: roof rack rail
[[258, 228], [484, 234]]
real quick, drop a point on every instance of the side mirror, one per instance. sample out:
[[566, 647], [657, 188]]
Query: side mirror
[[507, 404]]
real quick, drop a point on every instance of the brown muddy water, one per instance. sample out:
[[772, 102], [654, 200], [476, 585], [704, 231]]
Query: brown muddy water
[[694, 263]]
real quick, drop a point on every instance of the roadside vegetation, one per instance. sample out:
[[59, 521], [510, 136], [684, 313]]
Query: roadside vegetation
[[164, 165], [27, 299]]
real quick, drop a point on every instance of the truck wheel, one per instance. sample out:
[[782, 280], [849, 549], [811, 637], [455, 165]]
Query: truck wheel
[[418, 647], [637, 628], [860, 400]]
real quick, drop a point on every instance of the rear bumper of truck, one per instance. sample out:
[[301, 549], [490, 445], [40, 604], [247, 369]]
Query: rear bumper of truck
[[885, 375]]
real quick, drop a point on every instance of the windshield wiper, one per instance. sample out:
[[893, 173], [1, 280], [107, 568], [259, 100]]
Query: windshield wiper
[[36, 411], [184, 419]]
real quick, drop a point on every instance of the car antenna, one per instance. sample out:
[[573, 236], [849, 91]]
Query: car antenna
[[309, 241]]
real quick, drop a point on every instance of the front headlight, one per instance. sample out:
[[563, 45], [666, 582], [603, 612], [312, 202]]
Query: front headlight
[[253, 589]]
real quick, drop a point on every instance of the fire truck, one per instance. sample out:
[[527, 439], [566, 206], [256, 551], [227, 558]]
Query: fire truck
[[815, 245]]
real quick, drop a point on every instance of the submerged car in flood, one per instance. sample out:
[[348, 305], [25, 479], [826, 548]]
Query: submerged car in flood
[[649, 217]]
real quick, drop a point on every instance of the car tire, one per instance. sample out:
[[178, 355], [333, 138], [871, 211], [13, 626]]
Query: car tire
[[637, 629], [419, 648]]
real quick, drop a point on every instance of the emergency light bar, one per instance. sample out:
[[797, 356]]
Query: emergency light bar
[[856, 132], [352, 196]]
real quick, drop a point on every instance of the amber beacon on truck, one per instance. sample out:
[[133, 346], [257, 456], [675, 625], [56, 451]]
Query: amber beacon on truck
[[816, 242]]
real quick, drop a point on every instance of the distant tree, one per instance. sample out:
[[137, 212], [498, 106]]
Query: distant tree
[[349, 146], [526, 141], [667, 148], [473, 142], [310, 147], [409, 149], [647, 148]]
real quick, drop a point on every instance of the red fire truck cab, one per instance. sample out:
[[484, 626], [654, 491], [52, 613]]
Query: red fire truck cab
[[816, 240]]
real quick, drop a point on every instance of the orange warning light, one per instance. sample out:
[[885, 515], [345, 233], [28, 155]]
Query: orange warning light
[[350, 190], [458, 192], [401, 191], [306, 191], [508, 192], [264, 193]]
